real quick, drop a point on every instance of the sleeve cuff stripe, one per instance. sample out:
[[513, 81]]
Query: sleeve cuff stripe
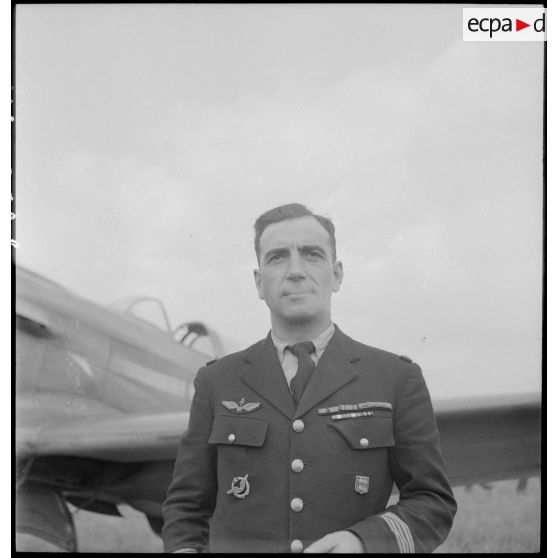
[[404, 528], [406, 532], [399, 535], [401, 531]]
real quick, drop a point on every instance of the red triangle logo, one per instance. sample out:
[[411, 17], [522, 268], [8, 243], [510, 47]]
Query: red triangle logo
[[519, 25]]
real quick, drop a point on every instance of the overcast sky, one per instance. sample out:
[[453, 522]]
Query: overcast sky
[[150, 137]]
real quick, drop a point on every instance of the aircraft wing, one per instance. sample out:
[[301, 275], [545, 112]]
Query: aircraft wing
[[482, 439], [121, 439], [490, 438]]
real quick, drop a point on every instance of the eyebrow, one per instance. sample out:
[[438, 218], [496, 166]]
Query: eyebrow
[[284, 251], [312, 248]]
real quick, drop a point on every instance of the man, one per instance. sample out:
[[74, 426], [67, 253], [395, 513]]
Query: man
[[294, 443]]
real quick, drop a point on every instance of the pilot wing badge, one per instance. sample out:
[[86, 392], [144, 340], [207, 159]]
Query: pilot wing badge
[[242, 407]]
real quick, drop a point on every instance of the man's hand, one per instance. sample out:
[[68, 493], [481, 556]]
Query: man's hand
[[339, 542]]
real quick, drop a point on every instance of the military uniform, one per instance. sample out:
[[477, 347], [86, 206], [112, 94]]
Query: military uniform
[[255, 474]]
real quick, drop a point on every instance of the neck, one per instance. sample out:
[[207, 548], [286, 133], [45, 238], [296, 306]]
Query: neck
[[299, 331]]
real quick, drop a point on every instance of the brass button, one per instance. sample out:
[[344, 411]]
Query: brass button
[[297, 546], [298, 425], [364, 443], [297, 504], [231, 438], [297, 465]]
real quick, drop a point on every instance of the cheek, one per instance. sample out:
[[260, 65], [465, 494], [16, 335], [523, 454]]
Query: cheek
[[269, 285], [326, 280]]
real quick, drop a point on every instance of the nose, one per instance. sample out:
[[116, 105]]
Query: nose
[[296, 267]]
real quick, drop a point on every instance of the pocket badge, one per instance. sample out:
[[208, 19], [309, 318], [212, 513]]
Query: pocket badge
[[242, 407], [362, 484], [240, 487]]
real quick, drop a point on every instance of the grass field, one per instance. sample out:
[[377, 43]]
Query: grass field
[[497, 520]]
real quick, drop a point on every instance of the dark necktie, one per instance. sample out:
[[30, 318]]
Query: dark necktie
[[306, 366]]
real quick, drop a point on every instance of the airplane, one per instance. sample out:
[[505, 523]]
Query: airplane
[[102, 398]]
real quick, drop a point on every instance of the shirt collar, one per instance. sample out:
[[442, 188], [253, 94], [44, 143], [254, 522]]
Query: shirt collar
[[320, 341]]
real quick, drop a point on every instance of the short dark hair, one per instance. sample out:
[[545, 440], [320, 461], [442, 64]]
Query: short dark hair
[[291, 211]]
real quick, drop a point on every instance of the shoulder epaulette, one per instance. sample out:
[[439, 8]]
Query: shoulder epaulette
[[211, 361], [406, 359]]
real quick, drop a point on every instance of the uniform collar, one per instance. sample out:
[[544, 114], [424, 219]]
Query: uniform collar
[[264, 374]]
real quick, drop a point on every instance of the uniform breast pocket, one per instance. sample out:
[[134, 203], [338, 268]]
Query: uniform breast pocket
[[366, 434], [239, 431], [239, 441]]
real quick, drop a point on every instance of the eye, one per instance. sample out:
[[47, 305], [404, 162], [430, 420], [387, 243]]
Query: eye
[[314, 255], [275, 257]]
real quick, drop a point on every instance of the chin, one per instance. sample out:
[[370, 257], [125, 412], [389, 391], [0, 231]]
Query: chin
[[299, 317]]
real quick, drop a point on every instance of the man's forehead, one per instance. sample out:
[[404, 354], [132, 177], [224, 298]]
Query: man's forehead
[[302, 230]]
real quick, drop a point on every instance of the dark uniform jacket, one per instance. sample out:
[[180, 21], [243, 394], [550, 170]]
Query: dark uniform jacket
[[255, 474]]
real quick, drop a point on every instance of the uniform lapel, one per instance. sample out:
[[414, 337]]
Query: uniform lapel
[[265, 376], [334, 370]]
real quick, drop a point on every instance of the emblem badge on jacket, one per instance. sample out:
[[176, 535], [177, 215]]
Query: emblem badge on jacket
[[241, 407], [362, 484], [240, 487]]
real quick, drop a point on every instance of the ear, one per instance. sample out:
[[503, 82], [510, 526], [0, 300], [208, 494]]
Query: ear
[[337, 275], [258, 280]]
